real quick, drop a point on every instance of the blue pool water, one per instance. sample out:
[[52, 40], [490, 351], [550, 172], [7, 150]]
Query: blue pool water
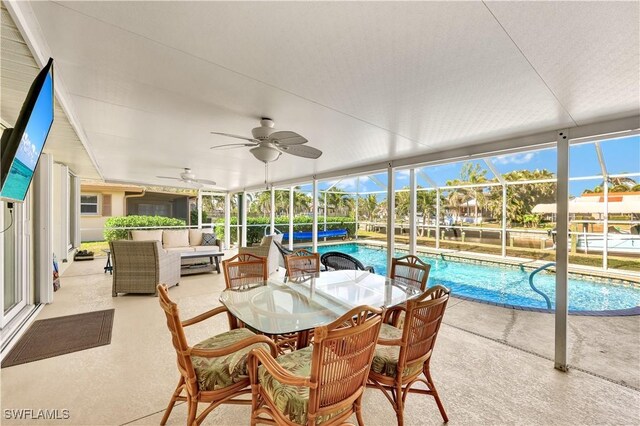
[[503, 284]]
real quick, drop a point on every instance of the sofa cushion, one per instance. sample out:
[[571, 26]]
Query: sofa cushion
[[175, 238], [209, 239], [206, 248], [147, 235], [186, 249], [195, 237], [266, 240]]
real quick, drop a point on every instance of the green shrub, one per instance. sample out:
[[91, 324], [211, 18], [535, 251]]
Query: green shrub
[[301, 224], [133, 222], [194, 217]]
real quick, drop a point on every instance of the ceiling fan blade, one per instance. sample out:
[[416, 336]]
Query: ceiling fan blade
[[287, 138], [232, 145], [204, 181], [301, 151], [235, 136], [169, 177]]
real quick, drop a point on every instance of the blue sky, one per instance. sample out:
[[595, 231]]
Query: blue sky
[[621, 156], [38, 127]]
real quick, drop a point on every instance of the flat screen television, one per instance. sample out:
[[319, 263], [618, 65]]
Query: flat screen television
[[22, 145]]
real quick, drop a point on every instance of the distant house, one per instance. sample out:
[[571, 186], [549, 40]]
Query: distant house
[[99, 201]]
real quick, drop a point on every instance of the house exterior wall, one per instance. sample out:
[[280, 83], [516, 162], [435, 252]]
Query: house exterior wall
[[92, 225]]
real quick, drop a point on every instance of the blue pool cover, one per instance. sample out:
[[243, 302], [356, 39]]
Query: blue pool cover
[[321, 234]]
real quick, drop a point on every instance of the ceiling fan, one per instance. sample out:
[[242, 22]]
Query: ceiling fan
[[189, 177], [268, 144]]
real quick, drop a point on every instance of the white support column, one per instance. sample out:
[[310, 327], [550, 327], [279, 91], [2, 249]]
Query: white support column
[[391, 217], [562, 252], [437, 218], [605, 225], [199, 209], [357, 204], [413, 207], [75, 181], [227, 221], [43, 229], [325, 214], [243, 221], [291, 214], [504, 220], [272, 222], [314, 230]]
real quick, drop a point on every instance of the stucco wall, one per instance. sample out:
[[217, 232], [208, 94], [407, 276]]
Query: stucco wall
[[91, 225]]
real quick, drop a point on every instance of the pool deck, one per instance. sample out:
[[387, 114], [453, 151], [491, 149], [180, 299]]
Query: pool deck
[[492, 365]]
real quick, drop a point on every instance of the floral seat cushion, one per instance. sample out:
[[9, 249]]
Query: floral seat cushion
[[292, 401], [385, 359], [220, 372]]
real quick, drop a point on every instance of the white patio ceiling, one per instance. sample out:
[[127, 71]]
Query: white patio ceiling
[[364, 82]]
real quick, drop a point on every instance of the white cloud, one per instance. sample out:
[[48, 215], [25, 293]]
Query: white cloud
[[515, 158], [27, 152]]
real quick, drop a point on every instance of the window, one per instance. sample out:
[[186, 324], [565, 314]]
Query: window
[[89, 204]]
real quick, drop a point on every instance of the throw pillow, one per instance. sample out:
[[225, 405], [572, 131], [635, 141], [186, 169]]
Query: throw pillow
[[209, 239]]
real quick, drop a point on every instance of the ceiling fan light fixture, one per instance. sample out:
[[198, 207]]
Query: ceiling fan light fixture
[[266, 154]]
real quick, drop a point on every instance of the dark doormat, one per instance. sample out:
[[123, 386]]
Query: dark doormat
[[58, 336]]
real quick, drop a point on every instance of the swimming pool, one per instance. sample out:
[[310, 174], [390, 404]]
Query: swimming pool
[[503, 284]]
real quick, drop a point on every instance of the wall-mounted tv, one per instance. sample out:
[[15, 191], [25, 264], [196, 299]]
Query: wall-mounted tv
[[21, 146]]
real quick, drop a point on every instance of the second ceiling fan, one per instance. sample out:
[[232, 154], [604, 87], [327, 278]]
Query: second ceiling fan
[[267, 144]]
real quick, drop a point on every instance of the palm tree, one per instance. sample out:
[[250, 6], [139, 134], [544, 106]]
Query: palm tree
[[470, 174], [521, 199], [615, 184], [339, 201]]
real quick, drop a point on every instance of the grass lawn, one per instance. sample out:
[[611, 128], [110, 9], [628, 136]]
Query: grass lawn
[[96, 247]]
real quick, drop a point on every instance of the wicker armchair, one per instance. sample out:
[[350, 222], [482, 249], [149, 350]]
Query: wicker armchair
[[267, 249], [302, 262], [215, 370], [139, 266], [334, 260], [243, 269], [319, 384], [402, 355]]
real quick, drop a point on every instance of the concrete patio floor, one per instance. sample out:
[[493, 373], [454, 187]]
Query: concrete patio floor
[[481, 376]]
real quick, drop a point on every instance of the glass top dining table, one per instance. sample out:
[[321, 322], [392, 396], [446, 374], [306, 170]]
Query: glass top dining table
[[278, 307]]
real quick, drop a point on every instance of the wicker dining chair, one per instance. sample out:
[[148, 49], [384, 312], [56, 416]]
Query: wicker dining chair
[[243, 269], [302, 262], [213, 371], [402, 355], [323, 383], [335, 260], [410, 270]]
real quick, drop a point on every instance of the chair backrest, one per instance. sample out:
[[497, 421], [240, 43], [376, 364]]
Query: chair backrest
[[421, 324], [135, 259], [283, 250], [339, 261], [243, 269], [410, 270], [342, 356], [302, 262], [178, 339]]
